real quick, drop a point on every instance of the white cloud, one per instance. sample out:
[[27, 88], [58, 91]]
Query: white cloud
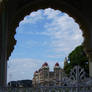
[[64, 33], [51, 13], [55, 56], [32, 18], [31, 43], [22, 68]]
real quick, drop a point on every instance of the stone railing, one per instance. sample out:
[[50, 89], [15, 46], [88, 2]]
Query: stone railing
[[48, 89]]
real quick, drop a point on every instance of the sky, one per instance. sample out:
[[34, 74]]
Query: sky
[[43, 36]]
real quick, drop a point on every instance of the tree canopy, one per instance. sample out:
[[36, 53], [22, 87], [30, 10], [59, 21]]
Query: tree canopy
[[77, 57]]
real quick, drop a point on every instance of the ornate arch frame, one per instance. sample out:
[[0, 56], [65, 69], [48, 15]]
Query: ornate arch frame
[[26, 8]]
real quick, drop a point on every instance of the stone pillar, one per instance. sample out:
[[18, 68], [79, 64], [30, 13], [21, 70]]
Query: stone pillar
[[3, 53], [3, 73], [90, 65], [89, 52], [90, 68], [88, 47]]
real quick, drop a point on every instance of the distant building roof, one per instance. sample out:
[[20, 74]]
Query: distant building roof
[[35, 72], [45, 64], [57, 64]]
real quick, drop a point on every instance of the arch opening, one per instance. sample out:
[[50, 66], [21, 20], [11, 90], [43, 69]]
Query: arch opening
[[53, 27]]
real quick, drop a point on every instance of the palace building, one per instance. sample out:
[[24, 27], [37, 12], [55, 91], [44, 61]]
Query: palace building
[[45, 77]]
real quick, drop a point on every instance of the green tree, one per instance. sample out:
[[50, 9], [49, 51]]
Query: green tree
[[77, 57]]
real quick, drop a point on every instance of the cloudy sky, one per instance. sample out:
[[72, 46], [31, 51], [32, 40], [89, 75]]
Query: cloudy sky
[[43, 36]]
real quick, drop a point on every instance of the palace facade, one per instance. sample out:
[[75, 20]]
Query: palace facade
[[45, 77]]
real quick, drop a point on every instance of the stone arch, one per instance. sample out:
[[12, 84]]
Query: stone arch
[[25, 8], [13, 11]]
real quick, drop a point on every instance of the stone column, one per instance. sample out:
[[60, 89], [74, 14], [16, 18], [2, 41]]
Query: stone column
[[88, 46], [90, 66], [3, 53]]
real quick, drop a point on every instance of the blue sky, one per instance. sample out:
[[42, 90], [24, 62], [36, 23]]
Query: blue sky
[[43, 36]]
